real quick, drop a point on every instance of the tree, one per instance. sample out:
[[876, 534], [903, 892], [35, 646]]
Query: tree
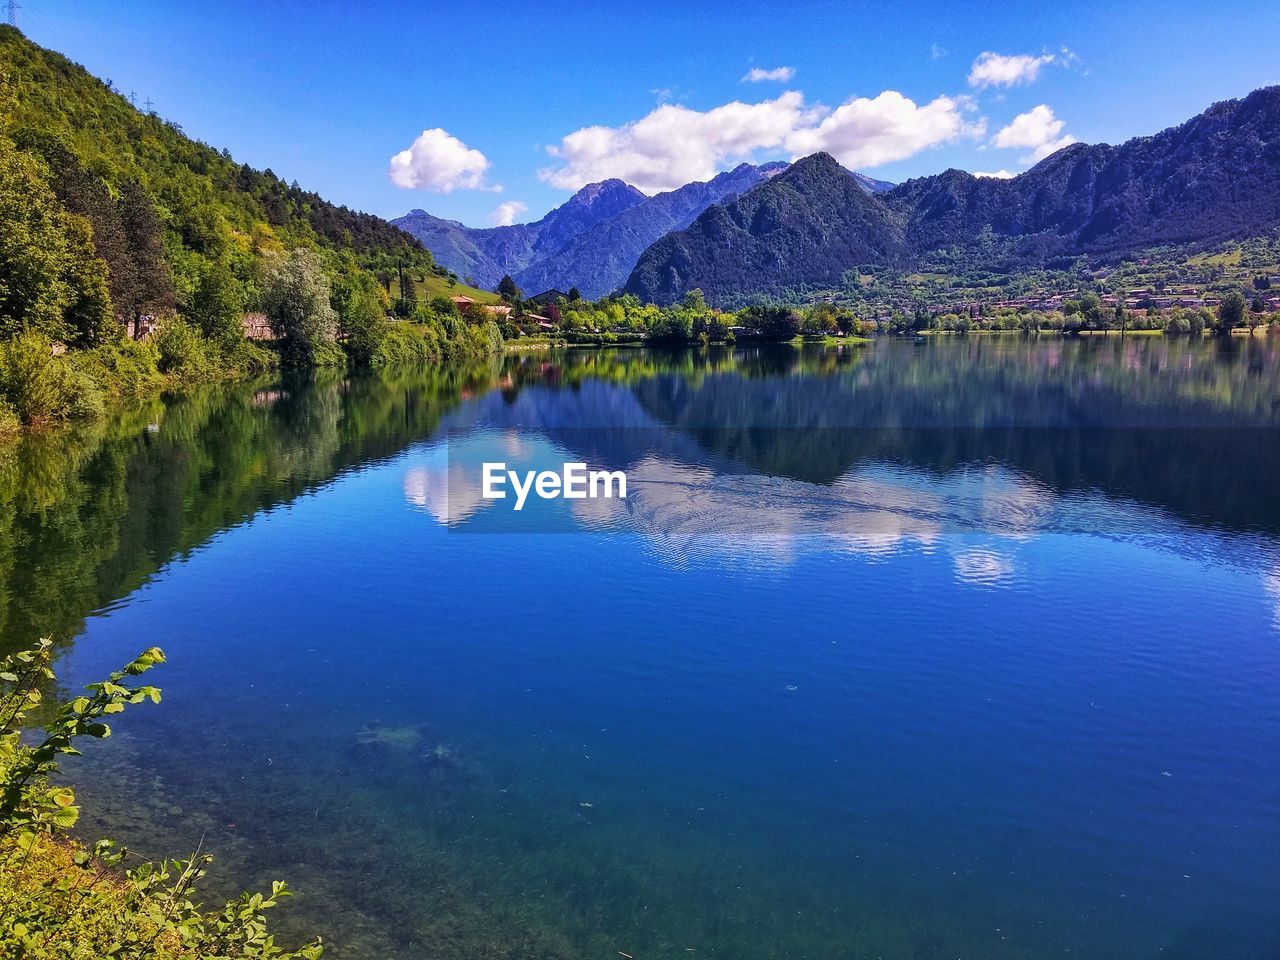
[[151, 292], [574, 294], [51, 281], [295, 297], [507, 288], [773, 323], [362, 316], [1230, 313], [216, 305], [694, 301], [89, 313]]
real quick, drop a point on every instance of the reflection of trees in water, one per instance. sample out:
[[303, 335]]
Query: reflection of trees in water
[[89, 515], [1190, 428]]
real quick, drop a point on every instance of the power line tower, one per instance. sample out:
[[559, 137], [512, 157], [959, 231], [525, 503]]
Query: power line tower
[[11, 9], [149, 105]]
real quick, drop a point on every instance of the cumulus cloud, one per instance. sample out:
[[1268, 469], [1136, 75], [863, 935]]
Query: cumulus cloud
[[1037, 130], [868, 132], [998, 70], [674, 144], [506, 213], [441, 163], [995, 174], [776, 75]]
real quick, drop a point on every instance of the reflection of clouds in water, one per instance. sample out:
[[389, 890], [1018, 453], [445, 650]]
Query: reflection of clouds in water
[[449, 493], [685, 510], [1271, 583], [513, 445], [983, 567]]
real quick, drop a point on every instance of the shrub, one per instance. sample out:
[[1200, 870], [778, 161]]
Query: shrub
[[248, 358], [181, 351], [42, 387], [126, 367], [9, 422], [406, 343], [66, 901]]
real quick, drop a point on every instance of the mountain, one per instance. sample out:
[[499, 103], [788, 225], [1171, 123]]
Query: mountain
[[454, 246], [811, 222], [1215, 177], [871, 184], [592, 241], [599, 260], [486, 254]]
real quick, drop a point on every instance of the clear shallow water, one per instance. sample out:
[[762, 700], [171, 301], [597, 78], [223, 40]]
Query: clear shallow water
[[962, 650]]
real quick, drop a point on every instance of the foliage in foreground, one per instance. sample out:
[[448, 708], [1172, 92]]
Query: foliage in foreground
[[60, 899]]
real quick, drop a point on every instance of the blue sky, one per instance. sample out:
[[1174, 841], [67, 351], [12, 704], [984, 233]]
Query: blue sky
[[328, 93]]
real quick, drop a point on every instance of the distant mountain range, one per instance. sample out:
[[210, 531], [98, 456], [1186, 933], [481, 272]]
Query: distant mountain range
[[593, 240], [1214, 178], [486, 254]]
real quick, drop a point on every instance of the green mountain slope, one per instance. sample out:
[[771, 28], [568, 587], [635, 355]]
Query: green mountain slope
[[807, 225], [204, 196], [116, 225], [1214, 178]]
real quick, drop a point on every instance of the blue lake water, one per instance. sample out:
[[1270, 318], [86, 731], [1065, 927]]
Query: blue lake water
[[968, 649]]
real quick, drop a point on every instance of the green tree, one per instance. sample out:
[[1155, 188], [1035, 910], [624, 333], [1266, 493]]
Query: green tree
[[151, 292], [362, 318], [694, 300], [507, 288], [1231, 313], [574, 294], [51, 281], [216, 305], [295, 296]]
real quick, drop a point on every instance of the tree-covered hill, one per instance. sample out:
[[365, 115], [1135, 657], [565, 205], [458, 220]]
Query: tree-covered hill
[[115, 225], [812, 221], [1214, 178], [203, 195]]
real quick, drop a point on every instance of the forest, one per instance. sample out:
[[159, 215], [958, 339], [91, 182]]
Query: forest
[[130, 255]]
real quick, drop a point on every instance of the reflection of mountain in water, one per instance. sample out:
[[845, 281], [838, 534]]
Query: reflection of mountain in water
[[1184, 427], [867, 444]]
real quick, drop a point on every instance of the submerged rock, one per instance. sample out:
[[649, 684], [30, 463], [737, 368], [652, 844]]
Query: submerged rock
[[389, 738]]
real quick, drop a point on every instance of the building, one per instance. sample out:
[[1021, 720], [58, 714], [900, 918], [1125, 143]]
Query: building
[[257, 327]]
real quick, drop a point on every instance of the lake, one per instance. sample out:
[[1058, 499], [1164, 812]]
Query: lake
[[961, 649]]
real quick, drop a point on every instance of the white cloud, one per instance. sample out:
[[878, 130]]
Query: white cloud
[[868, 132], [441, 163], [506, 213], [1037, 130], [998, 70], [936, 52], [674, 145], [995, 174], [776, 75]]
